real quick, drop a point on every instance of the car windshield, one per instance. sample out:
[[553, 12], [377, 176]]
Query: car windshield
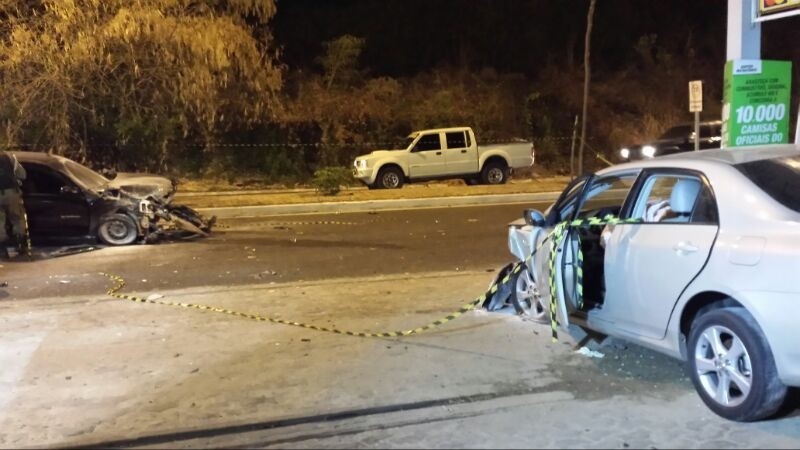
[[409, 141], [86, 176], [778, 177]]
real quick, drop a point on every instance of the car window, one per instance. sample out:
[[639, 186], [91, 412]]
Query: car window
[[778, 177], [709, 131], [42, 180], [606, 195], [428, 142], [679, 132], [456, 140], [564, 209], [469, 139], [675, 198]]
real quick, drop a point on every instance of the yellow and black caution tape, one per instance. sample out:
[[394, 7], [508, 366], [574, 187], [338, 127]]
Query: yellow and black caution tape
[[120, 283], [555, 236]]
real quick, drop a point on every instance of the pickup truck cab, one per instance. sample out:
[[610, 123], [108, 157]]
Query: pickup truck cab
[[440, 154]]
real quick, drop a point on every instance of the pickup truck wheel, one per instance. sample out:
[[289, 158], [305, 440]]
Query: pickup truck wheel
[[494, 173], [117, 229], [390, 178]]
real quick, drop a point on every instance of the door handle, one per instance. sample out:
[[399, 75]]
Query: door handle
[[685, 247], [438, 153], [464, 151]]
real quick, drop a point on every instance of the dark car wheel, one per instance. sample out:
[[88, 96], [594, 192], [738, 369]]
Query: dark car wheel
[[732, 366], [494, 172], [117, 229], [390, 178]]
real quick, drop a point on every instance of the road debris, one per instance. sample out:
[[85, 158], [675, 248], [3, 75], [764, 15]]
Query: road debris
[[585, 351]]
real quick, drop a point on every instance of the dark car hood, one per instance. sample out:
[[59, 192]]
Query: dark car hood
[[144, 185]]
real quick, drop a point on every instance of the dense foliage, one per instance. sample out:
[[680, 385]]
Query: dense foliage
[[279, 90]]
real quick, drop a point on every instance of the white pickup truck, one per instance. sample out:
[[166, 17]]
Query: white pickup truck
[[439, 154]]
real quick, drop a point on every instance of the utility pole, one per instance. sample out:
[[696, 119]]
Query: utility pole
[[586, 77]]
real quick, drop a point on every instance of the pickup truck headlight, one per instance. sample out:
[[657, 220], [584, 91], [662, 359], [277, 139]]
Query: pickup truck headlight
[[648, 151], [625, 153], [361, 163]]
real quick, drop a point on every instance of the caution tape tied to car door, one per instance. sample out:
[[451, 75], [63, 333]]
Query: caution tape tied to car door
[[559, 233], [554, 237]]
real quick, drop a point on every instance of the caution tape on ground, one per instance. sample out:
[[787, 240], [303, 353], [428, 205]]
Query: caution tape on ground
[[555, 237], [120, 283]]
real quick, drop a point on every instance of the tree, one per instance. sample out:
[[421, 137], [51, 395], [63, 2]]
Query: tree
[[340, 60], [100, 79]]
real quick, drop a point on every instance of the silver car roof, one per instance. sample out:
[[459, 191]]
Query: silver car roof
[[713, 157]]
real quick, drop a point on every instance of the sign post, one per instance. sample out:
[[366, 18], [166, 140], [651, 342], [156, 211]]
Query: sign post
[[696, 106], [756, 100]]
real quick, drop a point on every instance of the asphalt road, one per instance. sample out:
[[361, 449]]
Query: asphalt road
[[282, 249]]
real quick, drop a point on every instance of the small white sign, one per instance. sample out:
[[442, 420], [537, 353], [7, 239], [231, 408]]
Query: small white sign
[[696, 96], [747, 67]]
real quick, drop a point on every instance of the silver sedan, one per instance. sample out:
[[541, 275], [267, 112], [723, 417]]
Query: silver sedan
[[700, 261]]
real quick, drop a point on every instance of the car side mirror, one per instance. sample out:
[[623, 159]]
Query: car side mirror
[[534, 217], [69, 189]]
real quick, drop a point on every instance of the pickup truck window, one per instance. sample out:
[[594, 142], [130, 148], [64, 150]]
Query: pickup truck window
[[456, 140], [428, 142]]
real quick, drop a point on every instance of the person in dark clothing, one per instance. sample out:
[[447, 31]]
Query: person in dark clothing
[[11, 207]]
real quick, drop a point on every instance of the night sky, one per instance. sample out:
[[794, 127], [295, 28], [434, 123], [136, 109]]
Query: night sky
[[405, 37]]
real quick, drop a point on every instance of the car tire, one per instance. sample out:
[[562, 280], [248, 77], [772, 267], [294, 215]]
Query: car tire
[[525, 297], [721, 379], [390, 178], [494, 172], [117, 229], [472, 181]]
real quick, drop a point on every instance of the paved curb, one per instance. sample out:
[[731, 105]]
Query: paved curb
[[375, 205]]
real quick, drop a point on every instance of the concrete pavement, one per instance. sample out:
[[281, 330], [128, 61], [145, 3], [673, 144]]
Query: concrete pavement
[[91, 370]]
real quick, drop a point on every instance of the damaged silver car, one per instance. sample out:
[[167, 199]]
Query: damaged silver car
[[65, 200]]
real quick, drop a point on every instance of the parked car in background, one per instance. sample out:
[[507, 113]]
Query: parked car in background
[[66, 200], [705, 270], [677, 139], [441, 154]]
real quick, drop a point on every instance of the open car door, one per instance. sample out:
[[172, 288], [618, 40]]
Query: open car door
[[577, 262]]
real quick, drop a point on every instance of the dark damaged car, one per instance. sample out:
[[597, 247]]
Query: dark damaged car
[[65, 200]]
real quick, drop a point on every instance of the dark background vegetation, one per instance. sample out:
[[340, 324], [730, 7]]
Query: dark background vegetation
[[358, 75]]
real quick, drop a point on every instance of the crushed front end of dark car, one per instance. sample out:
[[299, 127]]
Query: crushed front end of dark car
[[67, 201]]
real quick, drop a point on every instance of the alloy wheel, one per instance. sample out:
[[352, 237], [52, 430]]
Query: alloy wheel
[[723, 366]]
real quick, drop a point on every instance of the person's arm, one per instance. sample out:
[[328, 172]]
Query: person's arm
[[19, 171]]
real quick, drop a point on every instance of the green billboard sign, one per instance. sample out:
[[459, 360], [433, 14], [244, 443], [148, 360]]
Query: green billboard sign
[[756, 102]]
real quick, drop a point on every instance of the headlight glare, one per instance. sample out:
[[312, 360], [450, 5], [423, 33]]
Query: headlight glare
[[648, 151], [625, 153]]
